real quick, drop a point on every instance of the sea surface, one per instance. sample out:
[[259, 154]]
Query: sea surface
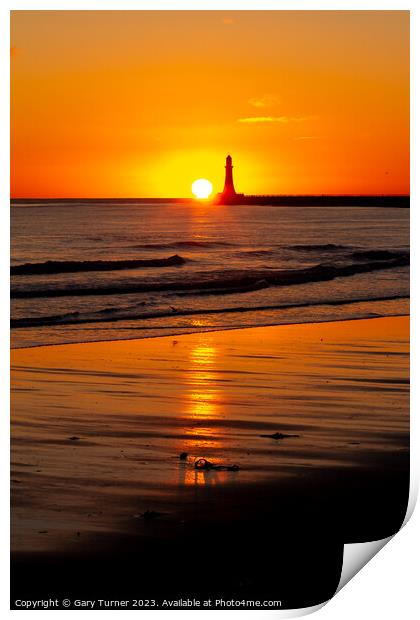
[[85, 272]]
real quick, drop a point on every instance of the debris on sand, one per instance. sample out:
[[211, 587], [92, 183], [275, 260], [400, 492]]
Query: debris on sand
[[279, 436], [150, 514], [183, 456], [204, 464]]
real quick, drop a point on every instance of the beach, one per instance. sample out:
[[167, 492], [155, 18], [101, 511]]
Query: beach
[[97, 434]]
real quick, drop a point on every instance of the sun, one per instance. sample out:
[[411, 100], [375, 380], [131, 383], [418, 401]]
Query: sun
[[202, 188]]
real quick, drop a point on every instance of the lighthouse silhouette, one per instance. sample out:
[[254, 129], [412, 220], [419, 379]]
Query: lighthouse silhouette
[[229, 189], [229, 195]]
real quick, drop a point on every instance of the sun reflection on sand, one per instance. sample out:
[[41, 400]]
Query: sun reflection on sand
[[191, 476], [203, 353], [203, 399], [203, 402]]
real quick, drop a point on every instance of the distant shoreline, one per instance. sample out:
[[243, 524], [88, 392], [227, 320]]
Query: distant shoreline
[[396, 201]]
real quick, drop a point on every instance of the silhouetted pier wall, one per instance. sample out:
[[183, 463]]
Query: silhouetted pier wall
[[302, 201], [329, 201]]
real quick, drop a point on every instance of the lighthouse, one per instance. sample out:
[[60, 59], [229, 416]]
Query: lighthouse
[[229, 195], [229, 189]]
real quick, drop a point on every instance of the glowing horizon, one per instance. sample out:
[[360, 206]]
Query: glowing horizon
[[140, 103]]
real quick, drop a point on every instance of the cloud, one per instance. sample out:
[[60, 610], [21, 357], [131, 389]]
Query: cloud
[[264, 119], [265, 101], [273, 119]]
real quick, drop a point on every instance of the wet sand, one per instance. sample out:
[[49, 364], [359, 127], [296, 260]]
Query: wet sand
[[97, 430]]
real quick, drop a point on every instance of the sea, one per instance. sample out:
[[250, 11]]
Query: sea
[[95, 271]]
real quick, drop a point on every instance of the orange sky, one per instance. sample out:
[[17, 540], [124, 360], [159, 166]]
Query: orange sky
[[142, 103]]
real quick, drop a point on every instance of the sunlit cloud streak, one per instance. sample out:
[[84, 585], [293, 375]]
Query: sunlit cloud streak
[[273, 119]]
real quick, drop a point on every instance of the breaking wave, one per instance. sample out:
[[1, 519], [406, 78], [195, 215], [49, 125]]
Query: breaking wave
[[53, 267], [219, 282], [122, 314]]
